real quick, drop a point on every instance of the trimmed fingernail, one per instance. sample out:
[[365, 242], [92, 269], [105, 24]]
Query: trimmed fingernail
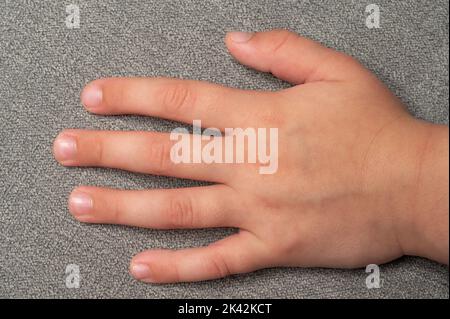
[[140, 271], [240, 37], [92, 96], [80, 203], [65, 148]]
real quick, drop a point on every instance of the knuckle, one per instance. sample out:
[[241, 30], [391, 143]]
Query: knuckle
[[282, 38], [220, 266], [180, 213], [159, 157], [286, 248], [117, 212], [115, 95], [98, 151], [347, 59], [271, 117], [289, 246], [176, 97]]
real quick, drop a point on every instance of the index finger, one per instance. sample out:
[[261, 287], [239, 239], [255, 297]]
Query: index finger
[[180, 100]]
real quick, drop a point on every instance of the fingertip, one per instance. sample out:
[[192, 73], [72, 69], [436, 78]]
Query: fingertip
[[55, 146], [239, 37], [81, 203], [64, 147], [237, 42], [92, 96], [141, 269]]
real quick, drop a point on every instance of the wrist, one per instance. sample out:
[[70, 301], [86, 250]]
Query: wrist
[[422, 211]]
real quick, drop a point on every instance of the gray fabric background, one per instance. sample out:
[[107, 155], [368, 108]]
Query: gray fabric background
[[44, 65]]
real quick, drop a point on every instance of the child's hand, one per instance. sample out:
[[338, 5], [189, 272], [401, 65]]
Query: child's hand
[[359, 180]]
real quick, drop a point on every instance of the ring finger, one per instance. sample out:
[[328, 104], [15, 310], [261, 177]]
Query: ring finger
[[197, 207]]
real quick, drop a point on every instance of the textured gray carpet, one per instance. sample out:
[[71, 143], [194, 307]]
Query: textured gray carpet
[[44, 65]]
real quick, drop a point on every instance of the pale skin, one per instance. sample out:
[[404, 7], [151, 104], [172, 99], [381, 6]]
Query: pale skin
[[359, 181]]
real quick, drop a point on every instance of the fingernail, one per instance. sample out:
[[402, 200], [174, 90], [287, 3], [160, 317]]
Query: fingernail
[[140, 271], [65, 148], [92, 96], [240, 37], [80, 203]]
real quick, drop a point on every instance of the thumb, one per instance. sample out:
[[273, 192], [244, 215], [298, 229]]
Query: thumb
[[290, 57]]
